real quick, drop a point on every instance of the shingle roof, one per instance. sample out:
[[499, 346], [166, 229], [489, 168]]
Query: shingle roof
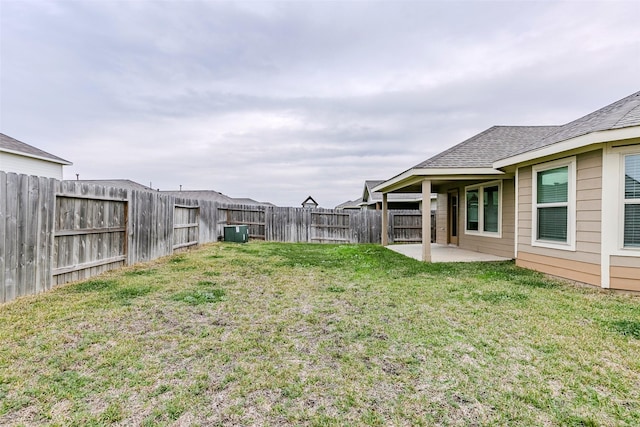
[[117, 183], [481, 150], [620, 114], [11, 144], [376, 196], [350, 204], [211, 195], [248, 201]]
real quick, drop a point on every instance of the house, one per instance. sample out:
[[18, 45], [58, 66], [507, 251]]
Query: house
[[309, 203], [373, 199], [410, 201], [19, 157], [563, 200]]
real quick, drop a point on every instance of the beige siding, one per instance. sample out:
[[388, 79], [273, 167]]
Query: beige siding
[[503, 246], [561, 267], [442, 224], [625, 273], [583, 264]]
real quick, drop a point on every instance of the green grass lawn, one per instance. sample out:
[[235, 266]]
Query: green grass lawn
[[295, 334]]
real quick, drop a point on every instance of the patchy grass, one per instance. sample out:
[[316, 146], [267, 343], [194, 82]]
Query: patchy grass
[[319, 335]]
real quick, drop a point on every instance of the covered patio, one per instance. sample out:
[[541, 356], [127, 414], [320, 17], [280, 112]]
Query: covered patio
[[445, 253]]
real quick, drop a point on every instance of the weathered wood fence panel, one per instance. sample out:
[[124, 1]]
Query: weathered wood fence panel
[[253, 216], [26, 224], [90, 231], [406, 227], [186, 224], [150, 225], [330, 227]]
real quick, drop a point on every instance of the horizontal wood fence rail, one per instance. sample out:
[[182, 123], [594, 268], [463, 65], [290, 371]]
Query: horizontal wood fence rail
[[89, 231], [53, 232]]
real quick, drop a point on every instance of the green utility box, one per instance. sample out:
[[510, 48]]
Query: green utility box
[[236, 233]]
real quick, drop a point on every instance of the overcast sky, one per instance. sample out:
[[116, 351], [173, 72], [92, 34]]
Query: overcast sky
[[280, 100]]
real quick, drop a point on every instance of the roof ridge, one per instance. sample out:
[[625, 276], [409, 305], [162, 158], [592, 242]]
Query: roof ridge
[[581, 119], [457, 146], [628, 113]]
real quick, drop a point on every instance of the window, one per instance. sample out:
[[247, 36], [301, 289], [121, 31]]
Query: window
[[491, 212], [632, 201], [554, 205], [472, 210], [483, 209]]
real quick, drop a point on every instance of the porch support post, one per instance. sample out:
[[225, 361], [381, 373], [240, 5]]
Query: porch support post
[[426, 220], [385, 221]]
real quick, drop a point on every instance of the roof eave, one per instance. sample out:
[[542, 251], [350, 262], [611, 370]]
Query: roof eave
[[418, 174], [571, 144], [34, 156]]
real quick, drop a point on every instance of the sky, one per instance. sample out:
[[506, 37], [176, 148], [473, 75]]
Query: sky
[[277, 101]]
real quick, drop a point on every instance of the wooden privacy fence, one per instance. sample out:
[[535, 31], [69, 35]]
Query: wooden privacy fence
[[54, 232]]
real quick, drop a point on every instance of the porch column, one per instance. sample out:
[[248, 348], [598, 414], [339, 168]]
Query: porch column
[[385, 221], [426, 220]]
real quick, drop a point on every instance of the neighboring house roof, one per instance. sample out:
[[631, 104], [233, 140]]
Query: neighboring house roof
[[350, 204], [13, 146], [248, 201], [117, 183], [620, 114], [215, 196], [370, 197], [481, 150], [210, 195]]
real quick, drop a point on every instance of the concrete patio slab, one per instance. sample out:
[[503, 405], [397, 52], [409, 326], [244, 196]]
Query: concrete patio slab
[[443, 253]]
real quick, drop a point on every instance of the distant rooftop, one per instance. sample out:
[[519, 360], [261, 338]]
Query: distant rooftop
[[350, 204], [376, 196], [117, 183], [12, 145]]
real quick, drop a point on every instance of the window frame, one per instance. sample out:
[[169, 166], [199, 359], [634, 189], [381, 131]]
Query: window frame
[[480, 231], [570, 243], [624, 201]]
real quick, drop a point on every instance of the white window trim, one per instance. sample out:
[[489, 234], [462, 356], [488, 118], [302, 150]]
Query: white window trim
[[623, 202], [570, 244], [480, 231]]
